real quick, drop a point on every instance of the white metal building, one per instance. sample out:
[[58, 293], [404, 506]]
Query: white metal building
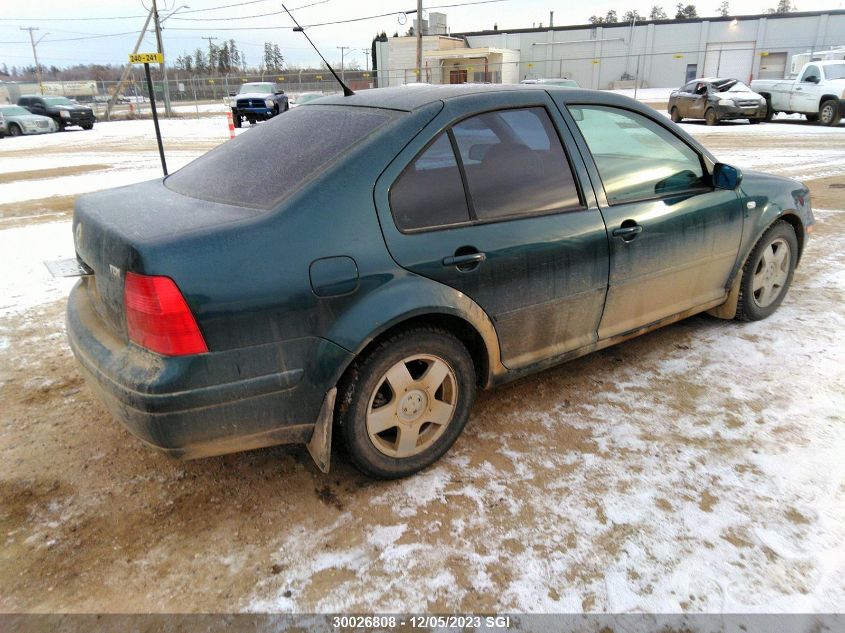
[[657, 53]]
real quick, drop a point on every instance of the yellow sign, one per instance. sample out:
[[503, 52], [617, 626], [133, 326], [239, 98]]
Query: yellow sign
[[678, 56], [146, 58], [531, 65], [281, 78], [596, 61], [764, 54], [365, 74], [318, 77]]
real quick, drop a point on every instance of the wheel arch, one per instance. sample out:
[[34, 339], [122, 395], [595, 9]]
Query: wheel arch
[[827, 97], [435, 305], [728, 309]]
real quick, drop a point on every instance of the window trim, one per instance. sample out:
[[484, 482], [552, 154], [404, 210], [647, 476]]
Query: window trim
[[674, 194], [474, 220]]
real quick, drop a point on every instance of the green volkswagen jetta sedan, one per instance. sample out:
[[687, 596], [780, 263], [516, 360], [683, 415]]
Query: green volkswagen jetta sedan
[[415, 246]]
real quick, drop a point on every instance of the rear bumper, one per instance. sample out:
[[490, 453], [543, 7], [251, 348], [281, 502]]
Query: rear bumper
[[209, 404]]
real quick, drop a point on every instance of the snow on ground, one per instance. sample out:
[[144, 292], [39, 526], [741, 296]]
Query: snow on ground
[[706, 478], [26, 282]]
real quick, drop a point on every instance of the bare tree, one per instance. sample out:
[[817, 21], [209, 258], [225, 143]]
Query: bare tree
[[657, 13], [724, 9]]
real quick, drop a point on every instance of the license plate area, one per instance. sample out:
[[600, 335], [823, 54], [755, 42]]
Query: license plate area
[[70, 267]]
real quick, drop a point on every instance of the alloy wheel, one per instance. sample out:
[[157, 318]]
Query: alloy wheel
[[412, 405], [771, 273]]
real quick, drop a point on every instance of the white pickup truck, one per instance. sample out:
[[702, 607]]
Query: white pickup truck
[[818, 93]]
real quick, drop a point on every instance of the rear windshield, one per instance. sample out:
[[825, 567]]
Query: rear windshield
[[264, 164]]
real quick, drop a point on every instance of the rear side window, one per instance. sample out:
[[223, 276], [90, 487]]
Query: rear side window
[[430, 191], [511, 162], [524, 171], [262, 166], [637, 158]]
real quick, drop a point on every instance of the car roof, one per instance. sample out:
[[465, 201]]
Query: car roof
[[403, 98]]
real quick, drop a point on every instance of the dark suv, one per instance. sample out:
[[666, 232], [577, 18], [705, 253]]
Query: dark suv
[[65, 112], [258, 101]]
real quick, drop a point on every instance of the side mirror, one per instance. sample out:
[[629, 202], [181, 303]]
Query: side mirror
[[232, 94], [812, 79], [477, 152], [726, 177], [577, 113]]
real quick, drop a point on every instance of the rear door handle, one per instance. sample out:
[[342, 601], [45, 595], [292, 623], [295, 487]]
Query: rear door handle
[[463, 260], [627, 233]]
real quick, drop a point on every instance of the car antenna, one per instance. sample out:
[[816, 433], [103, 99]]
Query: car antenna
[[347, 91]]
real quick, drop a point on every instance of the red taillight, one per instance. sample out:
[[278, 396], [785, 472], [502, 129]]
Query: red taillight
[[158, 318]]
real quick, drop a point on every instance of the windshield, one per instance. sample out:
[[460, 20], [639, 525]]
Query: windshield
[[13, 111], [256, 87], [247, 171], [58, 101], [835, 71]]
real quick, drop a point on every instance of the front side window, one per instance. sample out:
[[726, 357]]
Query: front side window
[[811, 71], [636, 157]]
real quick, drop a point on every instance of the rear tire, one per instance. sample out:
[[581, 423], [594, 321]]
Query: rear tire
[[88, 127], [767, 273], [753, 121], [15, 130], [236, 118], [829, 113], [711, 118], [676, 115], [402, 406]]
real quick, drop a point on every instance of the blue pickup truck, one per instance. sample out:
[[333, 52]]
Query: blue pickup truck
[[258, 101]]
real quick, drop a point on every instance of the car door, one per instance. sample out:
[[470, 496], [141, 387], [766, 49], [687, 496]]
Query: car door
[[805, 95], [674, 238], [684, 99], [488, 200], [698, 101]]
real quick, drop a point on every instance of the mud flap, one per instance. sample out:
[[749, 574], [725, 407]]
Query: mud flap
[[727, 310], [320, 444]]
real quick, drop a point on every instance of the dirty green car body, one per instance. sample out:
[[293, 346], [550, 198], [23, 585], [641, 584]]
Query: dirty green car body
[[286, 298]]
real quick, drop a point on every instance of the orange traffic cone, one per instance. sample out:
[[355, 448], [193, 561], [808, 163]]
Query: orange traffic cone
[[231, 124]]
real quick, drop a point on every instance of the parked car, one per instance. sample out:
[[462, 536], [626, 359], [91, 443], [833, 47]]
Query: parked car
[[305, 97], [818, 92], [65, 112], [568, 83], [258, 101], [20, 121], [714, 99], [424, 243], [2, 125]]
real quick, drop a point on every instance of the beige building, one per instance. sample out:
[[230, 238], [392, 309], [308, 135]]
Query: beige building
[[445, 60]]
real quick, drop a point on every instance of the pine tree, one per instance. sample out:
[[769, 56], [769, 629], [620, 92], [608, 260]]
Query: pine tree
[[200, 61]]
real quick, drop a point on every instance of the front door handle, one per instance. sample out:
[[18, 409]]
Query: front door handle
[[627, 231]]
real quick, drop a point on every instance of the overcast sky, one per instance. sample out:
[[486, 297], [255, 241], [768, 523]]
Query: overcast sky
[[184, 30]]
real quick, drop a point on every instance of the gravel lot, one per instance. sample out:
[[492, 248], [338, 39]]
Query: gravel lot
[[698, 468]]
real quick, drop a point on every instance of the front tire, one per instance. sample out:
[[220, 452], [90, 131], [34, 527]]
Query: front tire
[[770, 113], [754, 121], [767, 273], [403, 405], [15, 130], [236, 119], [711, 118], [676, 115], [90, 126], [829, 113]]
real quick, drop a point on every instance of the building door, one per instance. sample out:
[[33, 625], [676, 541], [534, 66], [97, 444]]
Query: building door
[[457, 76], [729, 59], [772, 66], [692, 72]]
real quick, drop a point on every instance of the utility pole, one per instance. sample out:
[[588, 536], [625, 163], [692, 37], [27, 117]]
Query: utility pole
[[367, 52], [127, 69], [419, 40], [35, 54], [342, 49], [163, 65]]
